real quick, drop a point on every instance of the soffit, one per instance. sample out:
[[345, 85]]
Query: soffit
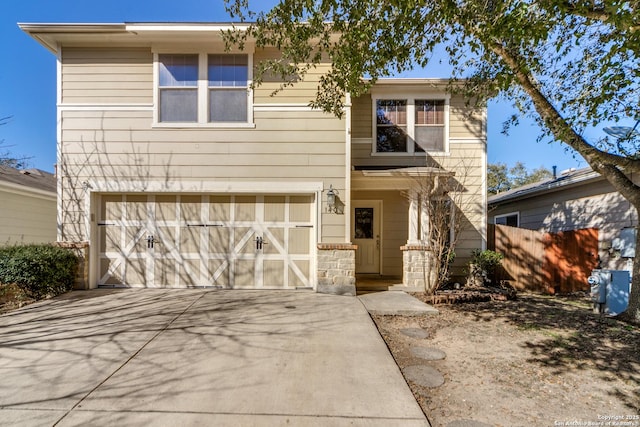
[[146, 34]]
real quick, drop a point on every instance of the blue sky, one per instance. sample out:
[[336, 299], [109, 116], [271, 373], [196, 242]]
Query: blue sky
[[28, 79]]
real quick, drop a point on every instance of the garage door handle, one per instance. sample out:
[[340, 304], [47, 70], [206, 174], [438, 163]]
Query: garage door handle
[[259, 242]]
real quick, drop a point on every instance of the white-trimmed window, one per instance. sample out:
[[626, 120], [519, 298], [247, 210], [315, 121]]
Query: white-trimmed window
[[511, 219], [228, 84], [178, 88], [410, 125], [204, 89]]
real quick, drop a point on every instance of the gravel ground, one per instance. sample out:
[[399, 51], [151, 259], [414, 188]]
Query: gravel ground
[[543, 361]]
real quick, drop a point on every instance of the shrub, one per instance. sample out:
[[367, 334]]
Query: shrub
[[486, 260], [481, 266], [39, 270]]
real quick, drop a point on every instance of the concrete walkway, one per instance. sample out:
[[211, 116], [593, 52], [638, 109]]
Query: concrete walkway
[[199, 357], [389, 303]]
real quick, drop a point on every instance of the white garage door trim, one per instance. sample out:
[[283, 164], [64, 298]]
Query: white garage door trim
[[149, 248]]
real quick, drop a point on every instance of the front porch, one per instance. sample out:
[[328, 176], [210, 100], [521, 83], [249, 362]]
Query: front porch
[[366, 283], [389, 225]]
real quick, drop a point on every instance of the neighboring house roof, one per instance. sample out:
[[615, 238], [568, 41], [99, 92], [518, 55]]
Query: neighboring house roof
[[34, 179], [567, 179]]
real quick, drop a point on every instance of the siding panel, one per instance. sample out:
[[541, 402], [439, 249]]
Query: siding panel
[[25, 219], [301, 92], [107, 75]]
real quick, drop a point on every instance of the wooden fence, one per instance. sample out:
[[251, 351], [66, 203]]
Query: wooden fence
[[545, 262]]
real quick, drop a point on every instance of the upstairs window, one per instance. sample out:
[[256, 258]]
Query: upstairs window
[[228, 77], [429, 125], [202, 89], [178, 82], [410, 125], [391, 125]]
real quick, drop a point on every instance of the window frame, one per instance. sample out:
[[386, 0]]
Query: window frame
[[506, 215], [410, 98], [203, 94], [169, 88]]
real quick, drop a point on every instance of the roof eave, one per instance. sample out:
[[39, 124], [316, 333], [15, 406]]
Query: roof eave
[[45, 33], [550, 187], [52, 35]]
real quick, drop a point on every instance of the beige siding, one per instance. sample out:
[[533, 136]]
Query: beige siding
[[466, 160], [465, 121], [124, 75], [27, 219], [301, 92], [297, 146], [107, 76], [361, 117], [464, 124]]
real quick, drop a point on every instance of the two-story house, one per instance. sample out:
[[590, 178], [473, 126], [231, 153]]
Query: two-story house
[[177, 172]]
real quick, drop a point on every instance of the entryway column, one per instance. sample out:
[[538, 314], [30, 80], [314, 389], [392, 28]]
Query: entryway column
[[336, 268], [414, 218]]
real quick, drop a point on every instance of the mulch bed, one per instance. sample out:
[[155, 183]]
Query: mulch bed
[[12, 297]]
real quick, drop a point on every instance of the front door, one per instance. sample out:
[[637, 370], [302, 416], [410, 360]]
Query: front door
[[366, 234]]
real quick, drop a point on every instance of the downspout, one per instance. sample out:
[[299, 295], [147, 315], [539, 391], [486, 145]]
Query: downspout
[[59, 164]]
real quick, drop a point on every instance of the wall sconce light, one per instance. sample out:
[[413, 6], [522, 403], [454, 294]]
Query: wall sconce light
[[331, 200]]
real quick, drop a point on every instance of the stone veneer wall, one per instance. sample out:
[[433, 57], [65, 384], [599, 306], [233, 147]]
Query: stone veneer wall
[[81, 249], [336, 268], [416, 260]]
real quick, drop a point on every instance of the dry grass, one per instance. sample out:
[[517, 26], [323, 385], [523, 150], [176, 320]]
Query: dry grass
[[532, 361]]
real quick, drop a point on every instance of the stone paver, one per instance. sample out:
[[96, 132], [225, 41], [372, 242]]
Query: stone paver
[[423, 375], [395, 303]]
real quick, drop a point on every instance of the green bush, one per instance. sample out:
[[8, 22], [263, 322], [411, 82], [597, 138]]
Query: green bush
[[481, 267], [39, 270], [486, 260]]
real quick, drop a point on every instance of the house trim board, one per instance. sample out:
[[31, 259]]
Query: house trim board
[[92, 202], [59, 163], [149, 107], [262, 187], [347, 173]]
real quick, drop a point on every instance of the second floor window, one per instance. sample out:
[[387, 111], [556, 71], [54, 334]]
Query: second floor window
[[178, 82], [391, 125], [228, 76], [200, 89], [409, 125], [429, 125]]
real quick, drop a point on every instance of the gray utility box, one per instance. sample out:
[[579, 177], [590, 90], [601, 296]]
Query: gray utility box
[[610, 291]]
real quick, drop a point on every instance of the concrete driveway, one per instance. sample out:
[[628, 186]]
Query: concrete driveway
[[199, 357]]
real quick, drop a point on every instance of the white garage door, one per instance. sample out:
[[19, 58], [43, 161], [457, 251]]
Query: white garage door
[[230, 241]]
